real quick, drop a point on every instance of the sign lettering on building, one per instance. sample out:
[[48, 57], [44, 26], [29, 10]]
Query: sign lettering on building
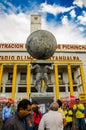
[[59, 46], [10, 46], [16, 47], [71, 58], [71, 47]]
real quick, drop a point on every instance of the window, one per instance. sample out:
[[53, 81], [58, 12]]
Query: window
[[75, 88], [68, 89], [21, 89], [23, 76], [8, 89], [73, 75], [62, 89], [1, 89], [60, 76], [10, 76]]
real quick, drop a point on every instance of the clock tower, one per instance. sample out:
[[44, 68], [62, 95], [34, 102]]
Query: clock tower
[[35, 23]]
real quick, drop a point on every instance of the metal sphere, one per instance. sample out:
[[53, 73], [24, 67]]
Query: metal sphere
[[41, 44]]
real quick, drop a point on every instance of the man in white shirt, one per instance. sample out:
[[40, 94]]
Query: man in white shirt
[[52, 120]]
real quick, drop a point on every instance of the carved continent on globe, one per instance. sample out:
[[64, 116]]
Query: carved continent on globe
[[41, 44]]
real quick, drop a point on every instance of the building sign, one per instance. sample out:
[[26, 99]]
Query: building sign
[[71, 58], [10, 46], [17, 48], [65, 58], [71, 47], [60, 47], [16, 58]]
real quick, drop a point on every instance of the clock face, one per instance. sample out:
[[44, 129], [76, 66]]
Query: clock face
[[36, 19]]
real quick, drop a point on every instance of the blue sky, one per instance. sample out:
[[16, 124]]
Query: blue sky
[[66, 19]]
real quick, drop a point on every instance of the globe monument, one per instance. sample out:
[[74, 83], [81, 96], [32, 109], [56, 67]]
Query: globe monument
[[41, 45]]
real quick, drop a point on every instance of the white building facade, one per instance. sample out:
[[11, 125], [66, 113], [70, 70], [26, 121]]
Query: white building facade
[[68, 77]]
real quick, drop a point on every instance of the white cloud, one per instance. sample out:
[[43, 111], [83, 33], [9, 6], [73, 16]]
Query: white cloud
[[54, 9], [16, 28], [64, 20], [73, 14], [81, 29], [80, 3], [69, 35], [65, 34], [82, 18]]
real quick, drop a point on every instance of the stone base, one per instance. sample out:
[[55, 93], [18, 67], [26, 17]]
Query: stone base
[[42, 95], [49, 89]]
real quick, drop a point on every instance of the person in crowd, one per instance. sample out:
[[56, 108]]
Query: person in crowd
[[69, 118], [6, 112], [17, 121], [52, 120], [29, 118], [62, 112], [30, 123], [85, 114], [34, 104], [34, 118], [37, 115], [13, 108], [79, 110]]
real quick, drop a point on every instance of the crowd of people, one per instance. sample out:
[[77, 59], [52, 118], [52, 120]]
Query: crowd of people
[[28, 116]]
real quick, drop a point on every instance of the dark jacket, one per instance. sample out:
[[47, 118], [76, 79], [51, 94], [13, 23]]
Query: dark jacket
[[14, 123]]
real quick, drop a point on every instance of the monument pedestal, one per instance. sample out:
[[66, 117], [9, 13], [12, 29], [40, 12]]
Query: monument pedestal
[[42, 95], [43, 99]]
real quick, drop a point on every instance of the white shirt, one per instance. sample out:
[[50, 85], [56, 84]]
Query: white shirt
[[52, 121]]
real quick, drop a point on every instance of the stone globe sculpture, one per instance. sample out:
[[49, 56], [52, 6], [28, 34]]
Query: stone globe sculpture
[[41, 44]]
